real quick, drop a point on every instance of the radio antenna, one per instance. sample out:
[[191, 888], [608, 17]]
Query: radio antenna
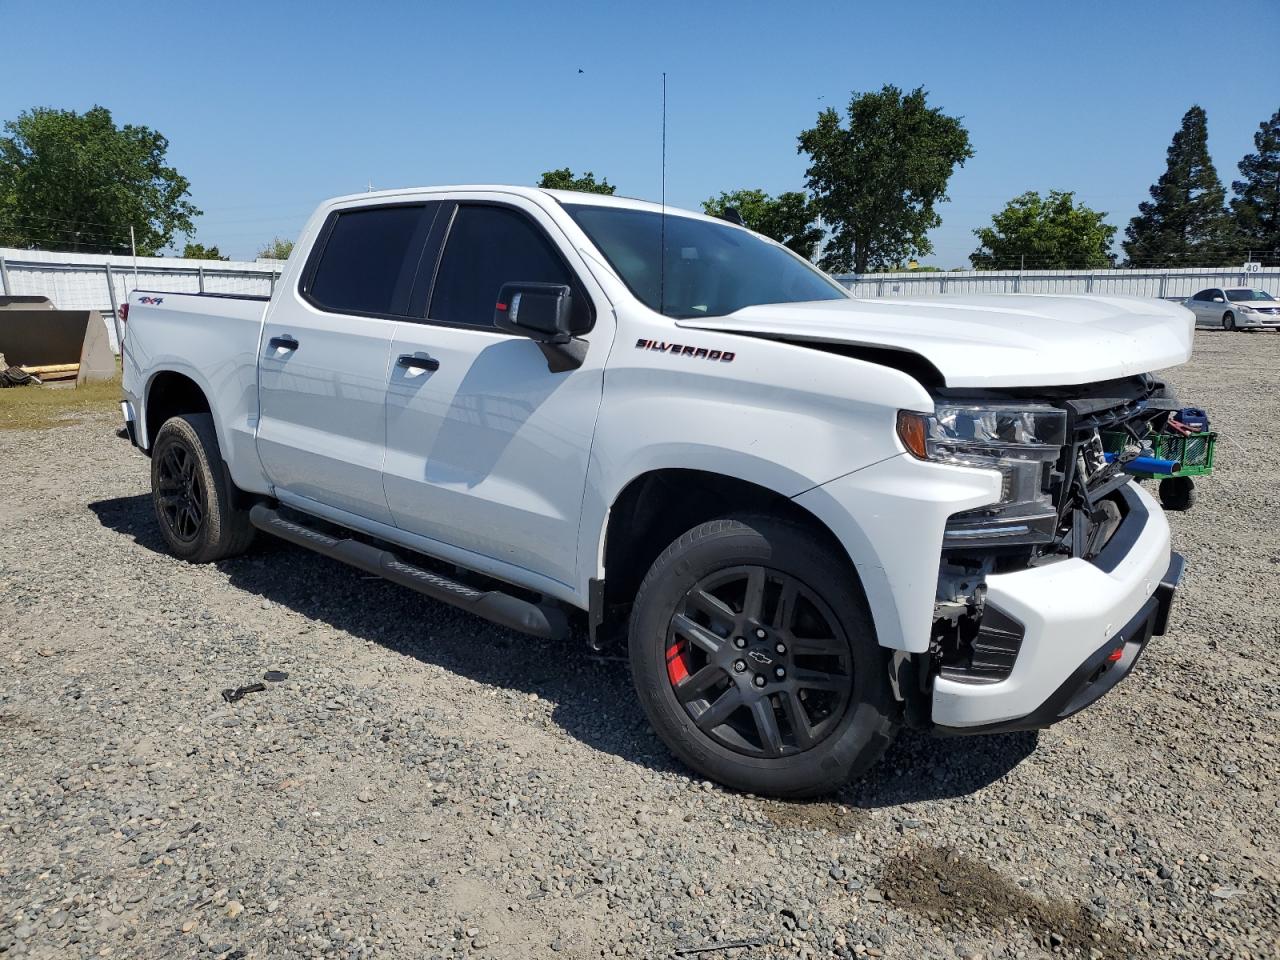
[[662, 230]]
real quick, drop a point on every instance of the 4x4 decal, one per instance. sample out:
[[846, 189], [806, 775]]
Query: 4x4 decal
[[684, 350]]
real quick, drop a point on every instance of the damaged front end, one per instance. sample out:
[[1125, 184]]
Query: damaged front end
[[1061, 498]]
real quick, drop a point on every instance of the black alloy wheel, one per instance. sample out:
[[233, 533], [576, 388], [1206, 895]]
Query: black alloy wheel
[[201, 515], [759, 662], [181, 495], [756, 659]]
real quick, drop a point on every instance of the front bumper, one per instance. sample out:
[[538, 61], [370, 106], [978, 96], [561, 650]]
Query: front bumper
[[1257, 320], [1076, 614]]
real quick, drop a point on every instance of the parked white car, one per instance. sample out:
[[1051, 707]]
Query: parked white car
[[812, 519], [1235, 308]]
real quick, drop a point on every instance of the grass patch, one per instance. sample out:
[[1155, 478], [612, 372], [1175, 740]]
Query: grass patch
[[39, 408]]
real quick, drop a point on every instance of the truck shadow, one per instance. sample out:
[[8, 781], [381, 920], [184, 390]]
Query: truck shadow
[[592, 695]]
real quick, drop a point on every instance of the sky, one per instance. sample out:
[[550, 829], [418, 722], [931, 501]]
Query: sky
[[270, 108]]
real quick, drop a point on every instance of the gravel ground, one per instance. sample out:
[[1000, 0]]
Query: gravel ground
[[426, 785]]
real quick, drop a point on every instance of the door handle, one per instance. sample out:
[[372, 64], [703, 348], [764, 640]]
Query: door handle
[[412, 361], [283, 342]]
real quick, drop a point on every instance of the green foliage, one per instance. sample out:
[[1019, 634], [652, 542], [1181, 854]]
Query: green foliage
[[904, 268], [72, 181], [1256, 205], [198, 251], [1185, 222], [278, 248], [875, 183], [563, 179], [1049, 233], [788, 218]]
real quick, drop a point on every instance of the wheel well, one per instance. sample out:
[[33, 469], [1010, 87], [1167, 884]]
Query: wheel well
[[169, 395], [659, 506]]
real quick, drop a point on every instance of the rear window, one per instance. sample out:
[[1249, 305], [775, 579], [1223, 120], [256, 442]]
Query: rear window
[[369, 260]]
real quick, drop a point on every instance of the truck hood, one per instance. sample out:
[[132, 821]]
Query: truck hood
[[1010, 340]]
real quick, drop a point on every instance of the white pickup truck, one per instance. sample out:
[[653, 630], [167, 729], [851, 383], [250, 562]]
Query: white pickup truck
[[813, 519]]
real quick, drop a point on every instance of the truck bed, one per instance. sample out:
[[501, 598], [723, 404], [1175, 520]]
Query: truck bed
[[211, 339]]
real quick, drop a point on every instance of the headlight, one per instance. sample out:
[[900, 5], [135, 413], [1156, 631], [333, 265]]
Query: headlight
[[1248, 309], [1020, 442]]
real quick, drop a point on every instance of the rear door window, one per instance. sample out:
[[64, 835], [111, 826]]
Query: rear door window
[[368, 259], [488, 246]]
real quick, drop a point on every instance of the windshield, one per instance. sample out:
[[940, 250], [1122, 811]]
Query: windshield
[[711, 269], [1243, 296]]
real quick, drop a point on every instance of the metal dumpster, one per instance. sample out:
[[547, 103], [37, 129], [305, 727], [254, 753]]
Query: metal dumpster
[[55, 344]]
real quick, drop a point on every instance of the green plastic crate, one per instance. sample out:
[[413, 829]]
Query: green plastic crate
[[1193, 453]]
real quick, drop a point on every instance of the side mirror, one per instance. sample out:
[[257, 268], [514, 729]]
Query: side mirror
[[1219, 300], [540, 311]]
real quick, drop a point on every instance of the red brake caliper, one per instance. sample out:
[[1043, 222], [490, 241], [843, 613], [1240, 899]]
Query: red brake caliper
[[677, 663]]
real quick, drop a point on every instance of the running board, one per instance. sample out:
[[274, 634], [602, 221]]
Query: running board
[[501, 608]]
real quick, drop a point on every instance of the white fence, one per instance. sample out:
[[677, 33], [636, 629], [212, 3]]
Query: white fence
[[89, 281], [1169, 284]]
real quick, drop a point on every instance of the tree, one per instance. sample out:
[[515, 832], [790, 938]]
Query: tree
[[875, 183], [72, 181], [1185, 222], [278, 248], [1256, 205], [198, 251], [1048, 233], [788, 218], [563, 179]]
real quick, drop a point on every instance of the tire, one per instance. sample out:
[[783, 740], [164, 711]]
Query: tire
[[1229, 322], [1177, 493], [820, 737], [192, 494]]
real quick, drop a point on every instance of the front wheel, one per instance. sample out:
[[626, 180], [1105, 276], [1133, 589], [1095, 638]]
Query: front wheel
[[1229, 322], [192, 494], [756, 660]]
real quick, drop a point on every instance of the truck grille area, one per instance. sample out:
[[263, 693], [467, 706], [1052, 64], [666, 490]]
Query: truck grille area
[[1084, 484], [973, 642]]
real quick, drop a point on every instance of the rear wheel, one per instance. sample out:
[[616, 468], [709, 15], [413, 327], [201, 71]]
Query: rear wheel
[[1229, 321], [755, 658], [192, 494]]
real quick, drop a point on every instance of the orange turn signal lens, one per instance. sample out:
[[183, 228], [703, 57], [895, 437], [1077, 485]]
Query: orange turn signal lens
[[912, 430]]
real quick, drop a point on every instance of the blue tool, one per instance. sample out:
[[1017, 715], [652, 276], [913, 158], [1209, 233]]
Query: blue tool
[[1146, 464], [1193, 417]]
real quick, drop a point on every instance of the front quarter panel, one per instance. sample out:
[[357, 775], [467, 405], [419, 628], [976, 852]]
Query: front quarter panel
[[891, 518], [784, 417]]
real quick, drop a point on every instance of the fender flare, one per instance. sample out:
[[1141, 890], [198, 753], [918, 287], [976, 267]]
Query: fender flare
[[182, 369], [768, 475]]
